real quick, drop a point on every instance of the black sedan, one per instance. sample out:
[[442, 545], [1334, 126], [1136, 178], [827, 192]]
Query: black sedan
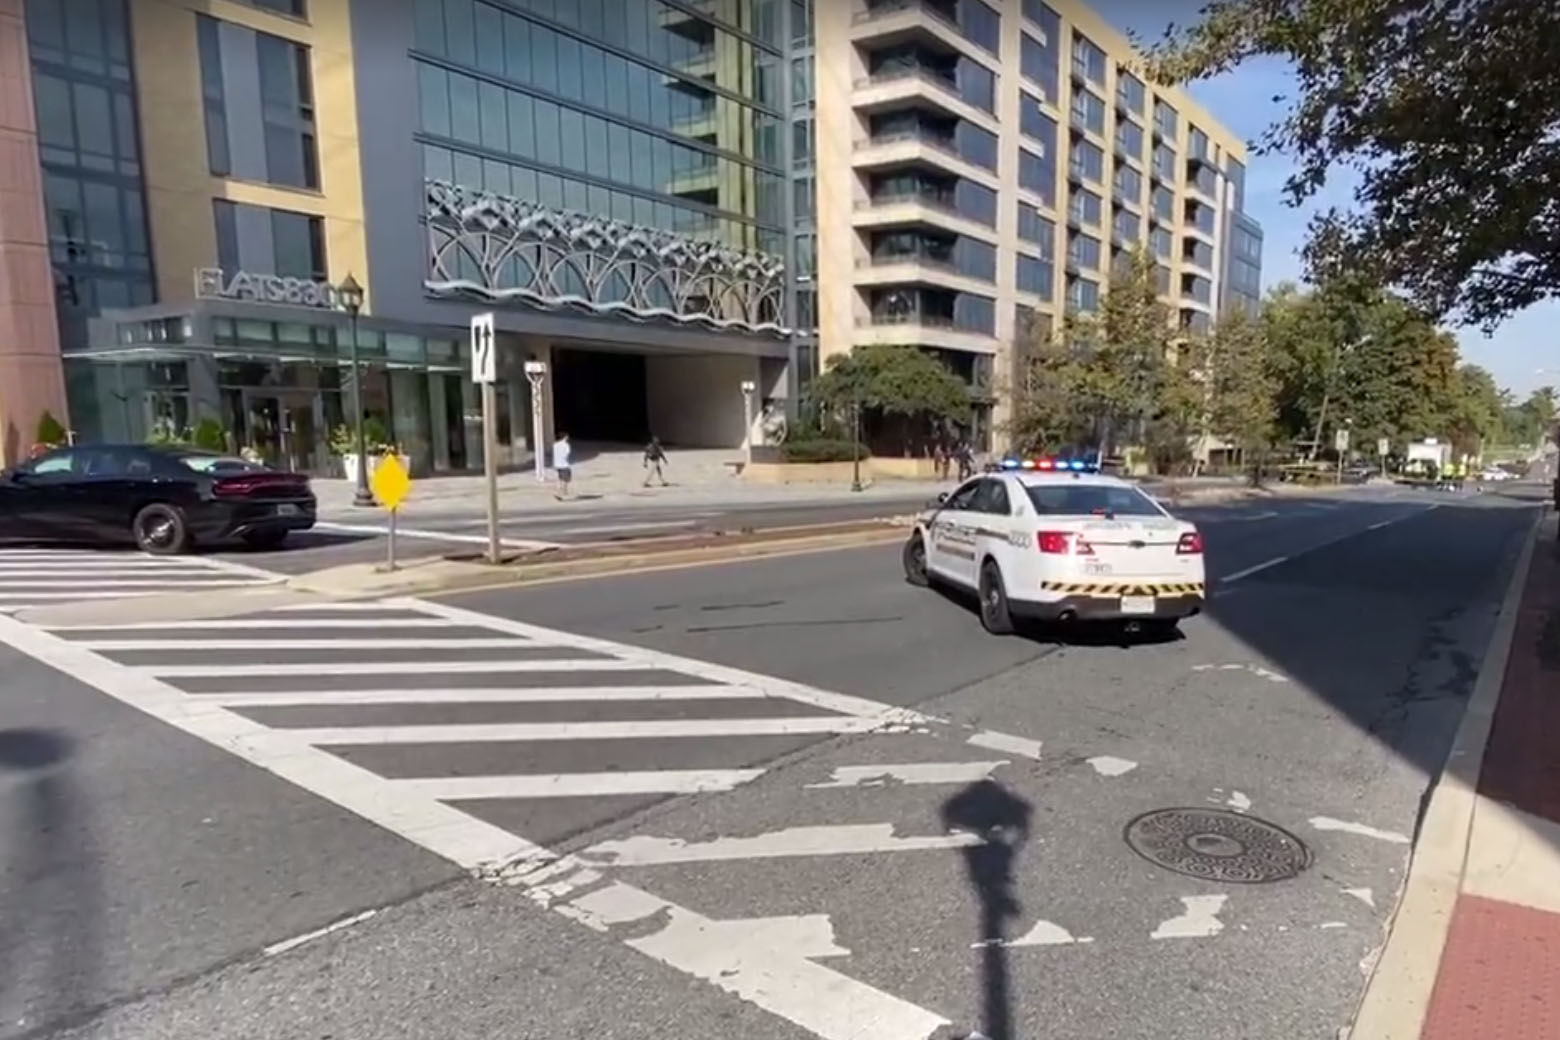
[[165, 499]]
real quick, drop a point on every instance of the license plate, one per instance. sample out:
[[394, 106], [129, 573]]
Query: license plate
[[1137, 604], [287, 510]]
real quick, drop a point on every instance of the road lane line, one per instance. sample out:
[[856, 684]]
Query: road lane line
[[380, 531], [1259, 568], [579, 785], [318, 933], [738, 957], [344, 606], [211, 581], [638, 729], [826, 840], [485, 643], [912, 773], [1327, 823], [1005, 742], [206, 671], [1249, 571], [481, 695]]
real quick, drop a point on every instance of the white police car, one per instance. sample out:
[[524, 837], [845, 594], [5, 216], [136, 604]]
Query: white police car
[[1054, 540]]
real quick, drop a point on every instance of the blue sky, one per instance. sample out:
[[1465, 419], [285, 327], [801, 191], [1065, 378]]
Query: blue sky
[[1242, 101]]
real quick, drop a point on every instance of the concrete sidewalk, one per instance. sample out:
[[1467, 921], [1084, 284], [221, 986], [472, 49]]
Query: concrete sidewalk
[[1474, 950]]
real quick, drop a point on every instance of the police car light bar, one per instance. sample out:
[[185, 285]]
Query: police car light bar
[[1049, 465]]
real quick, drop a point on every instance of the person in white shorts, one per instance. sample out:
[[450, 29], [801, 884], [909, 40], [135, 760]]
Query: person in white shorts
[[560, 459]]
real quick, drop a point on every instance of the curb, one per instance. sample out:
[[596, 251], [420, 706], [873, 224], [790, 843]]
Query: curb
[[1397, 995], [482, 575]]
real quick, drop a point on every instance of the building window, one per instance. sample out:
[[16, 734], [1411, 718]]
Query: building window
[[1197, 143], [1037, 63], [1035, 276], [269, 241], [1129, 185], [1088, 162], [1129, 140], [265, 133], [1161, 241], [1083, 295], [1085, 207], [1130, 94], [1088, 61], [1035, 124], [1164, 204], [1036, 229], [977, 85], [1166, 120], [981, 24], [1125, 225], [1038, 175], [1084, 251], [977, 146], [1088, 112]]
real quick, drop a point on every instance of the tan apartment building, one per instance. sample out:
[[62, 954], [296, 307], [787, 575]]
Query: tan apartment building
[[976, 161]]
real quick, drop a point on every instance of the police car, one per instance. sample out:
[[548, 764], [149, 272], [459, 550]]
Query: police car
[[1055, 540]]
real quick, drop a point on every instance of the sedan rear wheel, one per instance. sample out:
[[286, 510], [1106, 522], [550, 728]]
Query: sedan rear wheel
[[994, 614], [915, 561], [160, 529]]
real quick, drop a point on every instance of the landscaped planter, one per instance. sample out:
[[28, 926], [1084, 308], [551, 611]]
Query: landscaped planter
[[804, 472], [349, 465]]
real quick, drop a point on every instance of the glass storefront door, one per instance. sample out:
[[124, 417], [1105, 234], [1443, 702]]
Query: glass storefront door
[[285, 429]]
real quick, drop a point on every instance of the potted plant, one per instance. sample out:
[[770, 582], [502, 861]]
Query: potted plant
[[376, 442]]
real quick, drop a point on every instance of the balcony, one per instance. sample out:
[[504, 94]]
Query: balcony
[[921, 329], [924, 147], [928, 208], [933, 22], [700, 123], [697, 179], [922, 268], [897, 86]]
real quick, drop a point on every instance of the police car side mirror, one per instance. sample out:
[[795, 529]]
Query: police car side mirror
[[942, 496]]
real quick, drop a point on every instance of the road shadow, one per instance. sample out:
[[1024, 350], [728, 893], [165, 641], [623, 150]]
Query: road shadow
[[989, 810], [50, 890], [1075, 633]]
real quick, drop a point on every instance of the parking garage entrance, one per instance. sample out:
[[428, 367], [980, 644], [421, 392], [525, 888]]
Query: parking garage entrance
[[601, 396]]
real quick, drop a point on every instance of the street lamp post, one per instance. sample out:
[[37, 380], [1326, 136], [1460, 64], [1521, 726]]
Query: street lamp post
[[349, 294], [748, 387], [536, 373], [855, 442]]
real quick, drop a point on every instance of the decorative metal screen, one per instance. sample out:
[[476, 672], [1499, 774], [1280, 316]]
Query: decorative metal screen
[[506, 249]]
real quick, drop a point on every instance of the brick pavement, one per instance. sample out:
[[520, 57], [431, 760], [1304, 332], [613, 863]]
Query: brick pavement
[[1499, 975]]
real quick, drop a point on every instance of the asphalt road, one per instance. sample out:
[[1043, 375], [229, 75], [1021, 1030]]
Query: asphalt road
[[775, 853]]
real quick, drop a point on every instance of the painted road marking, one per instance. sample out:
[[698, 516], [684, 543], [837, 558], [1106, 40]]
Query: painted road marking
[[380, 530], [483, 695], [480, 643], [912, 773], [580, 785], [827, 840], [1259, 568], [1198, 919], [530, 664], [31, 578], [649, 729], [1006, 742], [1327, 823]]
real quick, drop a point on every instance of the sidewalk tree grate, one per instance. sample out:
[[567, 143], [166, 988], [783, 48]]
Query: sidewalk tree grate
[[1217, 845]]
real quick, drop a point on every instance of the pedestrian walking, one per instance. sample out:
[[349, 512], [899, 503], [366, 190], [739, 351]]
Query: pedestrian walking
[[966, 457], [940, 459], [561, 457], [655, 459]]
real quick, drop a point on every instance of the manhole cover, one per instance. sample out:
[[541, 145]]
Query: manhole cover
[[1217, 845]]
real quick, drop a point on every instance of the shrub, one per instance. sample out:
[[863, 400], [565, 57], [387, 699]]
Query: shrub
[[50, 431], [209, 435], [822, 451]]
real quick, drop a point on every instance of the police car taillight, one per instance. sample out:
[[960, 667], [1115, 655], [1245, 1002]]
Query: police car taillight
[[1191, 544], [1062, 543]]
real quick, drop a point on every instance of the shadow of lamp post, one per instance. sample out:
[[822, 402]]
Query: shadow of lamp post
[[1001, 818]]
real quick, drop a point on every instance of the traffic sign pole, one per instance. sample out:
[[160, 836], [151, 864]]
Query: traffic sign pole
[[391, 485], [484, 372], [390, 564]]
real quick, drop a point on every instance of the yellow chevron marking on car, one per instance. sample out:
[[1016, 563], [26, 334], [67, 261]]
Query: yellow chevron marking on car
[[1110, 590]]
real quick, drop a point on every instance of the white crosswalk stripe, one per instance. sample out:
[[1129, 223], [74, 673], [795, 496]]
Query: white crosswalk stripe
[[50, 577]]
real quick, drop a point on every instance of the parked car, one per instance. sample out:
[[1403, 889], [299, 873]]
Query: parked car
[[164, 499]]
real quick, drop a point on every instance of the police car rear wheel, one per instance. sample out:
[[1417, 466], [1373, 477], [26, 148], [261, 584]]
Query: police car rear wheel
[[994, 614], [915, 561]]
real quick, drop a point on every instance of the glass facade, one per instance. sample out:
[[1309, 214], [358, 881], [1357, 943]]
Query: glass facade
[[258, 94], [644, 111], [89, 147]]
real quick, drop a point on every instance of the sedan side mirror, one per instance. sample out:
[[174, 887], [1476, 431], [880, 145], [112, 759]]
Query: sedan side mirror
[[942, 496]]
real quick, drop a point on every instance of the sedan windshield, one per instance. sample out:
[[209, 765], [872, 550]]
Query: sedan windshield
[[1091, 500]]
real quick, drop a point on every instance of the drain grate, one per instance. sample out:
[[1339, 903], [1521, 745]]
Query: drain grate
[[1218, 845]]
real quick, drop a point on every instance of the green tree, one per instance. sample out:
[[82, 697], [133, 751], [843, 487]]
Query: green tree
[[1237, 381], [904, 392], [1446, 110], [1048, 407]]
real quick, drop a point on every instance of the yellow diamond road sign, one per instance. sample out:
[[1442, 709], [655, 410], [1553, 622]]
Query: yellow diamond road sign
[[390, 482]]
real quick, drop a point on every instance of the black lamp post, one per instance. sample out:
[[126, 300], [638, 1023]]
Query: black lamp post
[[855, 441], [349, 294]]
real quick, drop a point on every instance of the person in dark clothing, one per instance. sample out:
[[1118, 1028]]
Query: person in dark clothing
[[655, 459]]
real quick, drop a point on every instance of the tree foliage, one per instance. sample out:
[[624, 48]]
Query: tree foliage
[[895, 382], [1448, 111], [1236, 375]]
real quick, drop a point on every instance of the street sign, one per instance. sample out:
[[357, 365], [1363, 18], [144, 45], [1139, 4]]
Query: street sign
[[1383, 446], [390, 482], [1341, 440], [484, 358]]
